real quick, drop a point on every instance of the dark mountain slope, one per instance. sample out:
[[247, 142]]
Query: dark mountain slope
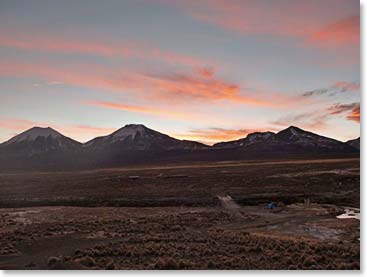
[[354, 143], [39, 148], [289, 140]]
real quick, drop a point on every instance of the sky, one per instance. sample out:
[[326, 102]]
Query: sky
[[205, 70]]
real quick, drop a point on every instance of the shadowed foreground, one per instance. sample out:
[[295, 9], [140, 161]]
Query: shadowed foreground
[[211, 216]]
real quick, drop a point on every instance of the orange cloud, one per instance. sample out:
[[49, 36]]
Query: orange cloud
[[173, 87], [144, 110], [214, 135], [355, 114], [353, 111], [196, 86], [206, 72], [341, 33]]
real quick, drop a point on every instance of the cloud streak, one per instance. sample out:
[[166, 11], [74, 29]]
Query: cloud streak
[[355, 114], [214, 135], [112, 49], [318, 120], [141, 109], [16, 124], [336, 88], [172, 87], [351, 110], [284, 18], [341, 33], [201, 86], [161, 112]]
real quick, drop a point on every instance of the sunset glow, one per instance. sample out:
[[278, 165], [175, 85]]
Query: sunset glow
[[211, 70]]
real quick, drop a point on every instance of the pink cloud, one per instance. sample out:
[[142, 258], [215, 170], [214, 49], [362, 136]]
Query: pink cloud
[[109, 49], [347, 86], [163, 87], [16, 124], [343, 32], [314, 22]]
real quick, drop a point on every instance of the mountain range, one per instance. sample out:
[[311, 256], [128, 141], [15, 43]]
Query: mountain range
[[45, 148]]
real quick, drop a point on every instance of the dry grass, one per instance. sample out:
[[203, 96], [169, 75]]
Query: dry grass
[[176, 240]]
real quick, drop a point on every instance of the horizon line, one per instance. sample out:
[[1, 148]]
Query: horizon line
[[172, 136]]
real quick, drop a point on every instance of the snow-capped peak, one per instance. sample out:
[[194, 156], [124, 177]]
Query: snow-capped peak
[[35, 132], [130, 130]]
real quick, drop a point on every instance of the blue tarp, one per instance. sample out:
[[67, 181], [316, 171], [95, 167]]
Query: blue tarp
[[272, 205]]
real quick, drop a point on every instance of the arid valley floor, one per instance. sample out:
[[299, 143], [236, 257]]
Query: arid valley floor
[[198, 216]]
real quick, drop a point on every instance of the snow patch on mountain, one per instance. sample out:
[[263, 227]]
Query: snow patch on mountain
[[34, 133], [293, 131], [131, 130], [255, 137]]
